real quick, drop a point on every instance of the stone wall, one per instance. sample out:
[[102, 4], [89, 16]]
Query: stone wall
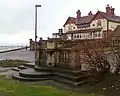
[[32, 45]]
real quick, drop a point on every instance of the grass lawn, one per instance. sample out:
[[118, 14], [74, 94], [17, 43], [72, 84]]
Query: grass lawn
[[9, 87], [12, 63]]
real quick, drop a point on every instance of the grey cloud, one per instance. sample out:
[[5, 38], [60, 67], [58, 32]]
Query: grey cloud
[[20, 19]]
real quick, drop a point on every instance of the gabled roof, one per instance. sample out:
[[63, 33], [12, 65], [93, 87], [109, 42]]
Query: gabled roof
[[88, 19], [85, 19], [73, 20], [113, 18]]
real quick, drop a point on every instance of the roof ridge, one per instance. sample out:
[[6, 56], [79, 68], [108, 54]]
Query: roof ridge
[[72, 17], [83, 16]]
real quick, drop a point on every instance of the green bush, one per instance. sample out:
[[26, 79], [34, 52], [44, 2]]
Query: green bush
[[12, 63]]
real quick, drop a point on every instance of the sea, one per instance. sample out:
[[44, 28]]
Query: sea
[[5, 48]]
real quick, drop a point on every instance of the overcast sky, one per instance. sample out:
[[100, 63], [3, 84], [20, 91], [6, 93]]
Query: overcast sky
[[17, 16]]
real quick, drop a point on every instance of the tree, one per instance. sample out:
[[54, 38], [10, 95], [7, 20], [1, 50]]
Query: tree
[[115, 51], [94, 57]]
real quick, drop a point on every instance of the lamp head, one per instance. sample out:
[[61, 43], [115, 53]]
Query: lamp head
[[37, 5]]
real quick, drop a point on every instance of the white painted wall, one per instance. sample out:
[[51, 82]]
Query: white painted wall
[[69, 36], [103, 24], [113, 25], [70, 27]]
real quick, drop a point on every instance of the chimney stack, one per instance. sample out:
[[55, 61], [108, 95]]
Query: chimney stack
[[108, 10], [78, 16], [90, 13], [112, 11]]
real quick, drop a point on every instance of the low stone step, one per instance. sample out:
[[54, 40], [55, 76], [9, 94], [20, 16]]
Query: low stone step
[[30, 65], [43, 69], [31, 73], [69, 82], [22, 67], [16, 69], [70, 77], [17, 76], [71, 72]]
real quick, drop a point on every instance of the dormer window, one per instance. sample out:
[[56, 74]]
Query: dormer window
[[99, 23]]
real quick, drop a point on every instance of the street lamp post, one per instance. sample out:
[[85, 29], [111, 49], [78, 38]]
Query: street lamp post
[[36, 6]]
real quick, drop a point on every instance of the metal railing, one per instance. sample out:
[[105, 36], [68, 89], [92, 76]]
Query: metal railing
[[12, 47]]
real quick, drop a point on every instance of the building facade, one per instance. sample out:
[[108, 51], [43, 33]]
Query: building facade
[[66, 47], [106, 21]]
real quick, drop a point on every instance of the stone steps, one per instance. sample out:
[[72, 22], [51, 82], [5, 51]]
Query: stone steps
[[69, 72], [43, 69], [48, 69], [30, 65], [42, 73], [16, 69], [69, 82], [17, 76], [70, 77], [31, 73], [22, 67]]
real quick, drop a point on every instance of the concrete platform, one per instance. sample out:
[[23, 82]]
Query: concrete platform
[[31, 73], [17, 76], [16, 69], [30, 65], [42, 69], [22, 67]]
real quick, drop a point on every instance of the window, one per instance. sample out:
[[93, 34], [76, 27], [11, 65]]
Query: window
[[93, 25], [80, 35], [99, 34], [98, 23], [69, 27], [118, 42], [84, 35], [105, 35], [90, 33], [74, 35], [88, 36], [77, 35], [95, 34]]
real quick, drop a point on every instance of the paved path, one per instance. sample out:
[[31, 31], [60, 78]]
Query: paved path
[[20, 54]]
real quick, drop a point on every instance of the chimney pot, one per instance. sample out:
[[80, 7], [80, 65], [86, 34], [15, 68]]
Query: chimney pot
[[112, 11], [90, 13]]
